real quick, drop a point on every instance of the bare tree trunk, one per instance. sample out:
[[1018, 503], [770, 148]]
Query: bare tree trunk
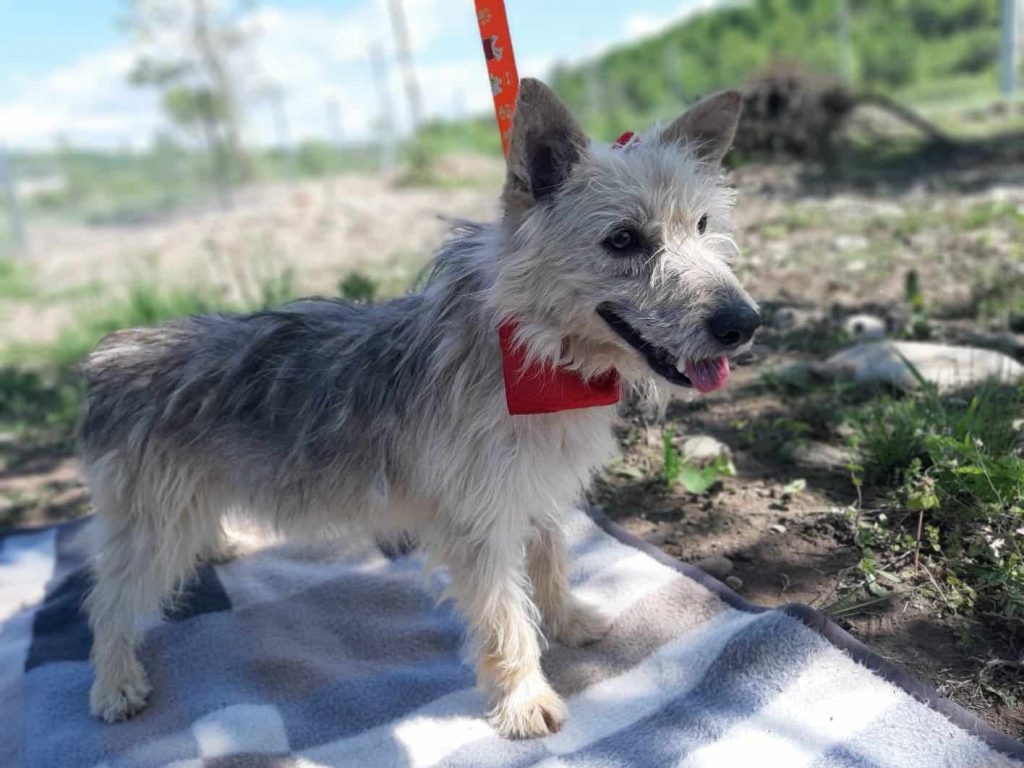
[[214, 66], [13, 208], [404, 51]]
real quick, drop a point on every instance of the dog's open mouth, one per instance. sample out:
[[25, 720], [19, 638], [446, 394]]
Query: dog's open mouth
[[703, 375]]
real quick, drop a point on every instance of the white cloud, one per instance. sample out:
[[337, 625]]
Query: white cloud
[[89, 102], [641, 25], [311, 57]]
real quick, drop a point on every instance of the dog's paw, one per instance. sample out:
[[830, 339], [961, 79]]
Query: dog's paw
[[221, 553], [116, 701], [583, 624], [531, 710]]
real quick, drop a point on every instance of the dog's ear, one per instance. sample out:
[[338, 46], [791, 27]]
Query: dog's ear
[[709, 125], [546, 142]]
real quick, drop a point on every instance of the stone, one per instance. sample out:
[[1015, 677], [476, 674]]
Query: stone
[[819, 455], [718, 566], [1006, 341], [702, 450], [865, 327], [948, 367], [735, 583]]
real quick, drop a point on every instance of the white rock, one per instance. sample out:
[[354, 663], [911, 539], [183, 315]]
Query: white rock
[[702, 449], [865, 327], [851, 242], [822, 455], [947, 367]]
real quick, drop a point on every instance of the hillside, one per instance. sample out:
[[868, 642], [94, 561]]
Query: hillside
[[913, 48]]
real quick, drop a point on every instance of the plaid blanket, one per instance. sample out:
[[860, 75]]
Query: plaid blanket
[[310, 658]]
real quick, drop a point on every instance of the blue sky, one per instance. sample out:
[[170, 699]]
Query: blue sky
[[62, 62]]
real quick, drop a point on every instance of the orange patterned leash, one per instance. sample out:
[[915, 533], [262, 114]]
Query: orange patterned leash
[[501, 63]]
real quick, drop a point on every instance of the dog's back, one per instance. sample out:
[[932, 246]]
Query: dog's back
[[285, 378]]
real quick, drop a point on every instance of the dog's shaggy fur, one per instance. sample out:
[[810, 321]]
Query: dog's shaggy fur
[[323, 416]]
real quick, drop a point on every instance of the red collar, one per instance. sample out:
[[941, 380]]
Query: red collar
[[545, 388]]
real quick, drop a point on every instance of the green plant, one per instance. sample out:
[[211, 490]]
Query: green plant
[[676, 468], [671, 463], [357, 286], [958, 474], [15, 280]]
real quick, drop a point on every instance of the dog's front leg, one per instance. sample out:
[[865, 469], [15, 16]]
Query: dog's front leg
[[490, 584], [569, 619]]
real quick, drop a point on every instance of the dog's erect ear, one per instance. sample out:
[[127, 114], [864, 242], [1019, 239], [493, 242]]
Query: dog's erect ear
[[709, 125], [546, 143]]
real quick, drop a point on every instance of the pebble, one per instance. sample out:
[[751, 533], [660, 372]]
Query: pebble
[[735, 583], [777, 528], [718, 566], [702, 449]]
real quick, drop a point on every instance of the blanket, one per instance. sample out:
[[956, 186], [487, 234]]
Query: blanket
[[322, 656]]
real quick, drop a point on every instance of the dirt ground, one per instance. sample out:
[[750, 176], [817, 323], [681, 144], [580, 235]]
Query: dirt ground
[[818, 247]]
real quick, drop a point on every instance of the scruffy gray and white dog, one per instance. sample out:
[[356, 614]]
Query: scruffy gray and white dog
[[323, 416]]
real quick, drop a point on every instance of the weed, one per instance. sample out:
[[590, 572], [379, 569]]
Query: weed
[[671, 461], [958, 472], [358, 287], [694, 478], [15, 280]]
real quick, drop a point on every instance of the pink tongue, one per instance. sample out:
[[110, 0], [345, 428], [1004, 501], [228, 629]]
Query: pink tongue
[[708, 375]]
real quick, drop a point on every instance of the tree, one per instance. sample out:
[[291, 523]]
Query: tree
[[189, 49]]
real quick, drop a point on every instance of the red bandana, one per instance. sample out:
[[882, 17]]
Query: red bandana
[[544, 388]]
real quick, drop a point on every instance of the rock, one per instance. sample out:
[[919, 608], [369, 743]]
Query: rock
[[715, 565], [785, 318], [777, 528], [792, 318], [735, 583], [659, 535], [947, 367], [851, 242], [865, 327], [702, 449], [820, 455], [1008, 342]]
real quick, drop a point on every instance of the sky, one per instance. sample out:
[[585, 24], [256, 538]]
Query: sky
[[63, 63]]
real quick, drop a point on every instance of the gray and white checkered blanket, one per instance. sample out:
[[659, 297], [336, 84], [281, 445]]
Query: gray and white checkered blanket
[[291, 658]]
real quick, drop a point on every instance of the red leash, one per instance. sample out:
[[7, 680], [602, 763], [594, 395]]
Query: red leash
[[535, 387], [501, 63]]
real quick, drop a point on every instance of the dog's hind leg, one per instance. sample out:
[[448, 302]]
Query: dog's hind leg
[[143, 555], [569, 619]]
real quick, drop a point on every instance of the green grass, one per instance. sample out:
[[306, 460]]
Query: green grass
[[15, 280], [956, 463], [144, 304]]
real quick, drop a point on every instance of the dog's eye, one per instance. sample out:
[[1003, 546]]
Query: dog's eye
[[702, 224], [622, 240]]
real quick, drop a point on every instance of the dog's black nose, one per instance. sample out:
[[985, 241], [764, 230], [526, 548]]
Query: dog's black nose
[[735, 324]]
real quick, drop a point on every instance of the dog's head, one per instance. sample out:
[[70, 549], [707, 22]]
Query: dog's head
[[620, 256]]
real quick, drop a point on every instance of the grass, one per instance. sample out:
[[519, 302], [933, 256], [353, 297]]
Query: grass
[[40, 395], [15, 280], [954, 471]]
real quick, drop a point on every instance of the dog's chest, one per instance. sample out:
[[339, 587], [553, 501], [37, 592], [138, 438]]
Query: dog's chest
[[572, 443]]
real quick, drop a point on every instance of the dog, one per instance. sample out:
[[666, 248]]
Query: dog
[[325, 417]]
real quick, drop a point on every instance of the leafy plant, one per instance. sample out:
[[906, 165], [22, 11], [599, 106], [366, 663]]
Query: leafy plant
[[695, 478], [358, 287], [959, 492]]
